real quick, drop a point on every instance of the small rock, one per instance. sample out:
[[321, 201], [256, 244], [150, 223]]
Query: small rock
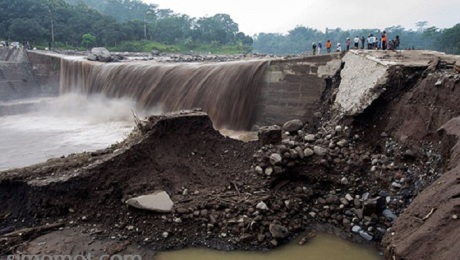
[[356, 229], [260, 238], [389, 215], [396, 185], [158, 202], [308, 152], [438, 83], [275, 159], [320, 151], [204, 213], [365, 235], [269, 171], [348, 197], [342, 143], [310, 138], [261, 205]]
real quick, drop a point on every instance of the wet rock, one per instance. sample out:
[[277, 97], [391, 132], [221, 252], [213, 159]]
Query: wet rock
[[275, 159], [260, 238], [310, 138], [100, 54], [204, 213], [245, 237], [308, 152], [278, 231], [307, 238], [320, 151], [269, 135], [158, 202], [356, 229], [293, 125], [342, 143], [389, 215], [261, 205], [409, 154], [274, 242], [374, 206], [365, 235], [269, 171]]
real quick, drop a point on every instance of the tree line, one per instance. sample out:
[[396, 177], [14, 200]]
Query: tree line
[[87, 23], [131, 25]]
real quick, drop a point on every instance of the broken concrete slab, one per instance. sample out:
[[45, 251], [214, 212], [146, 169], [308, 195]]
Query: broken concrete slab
[[158, 202], [362, 81]]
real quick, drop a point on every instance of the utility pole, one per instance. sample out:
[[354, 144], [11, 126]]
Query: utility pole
[[145, 28], [52, 29]]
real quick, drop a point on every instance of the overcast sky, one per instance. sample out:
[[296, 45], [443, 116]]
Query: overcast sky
[[280, 16]]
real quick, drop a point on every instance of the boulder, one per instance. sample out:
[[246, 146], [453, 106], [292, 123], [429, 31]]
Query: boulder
[[269, 135], [101, 53], [293, 125], [278, 231], [158, 202]]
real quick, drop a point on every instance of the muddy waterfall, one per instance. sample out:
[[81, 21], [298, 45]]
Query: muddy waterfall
[[226, 91]]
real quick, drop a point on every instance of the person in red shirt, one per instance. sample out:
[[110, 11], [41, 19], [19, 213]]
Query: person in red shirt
[[384, 40], [328, 46]]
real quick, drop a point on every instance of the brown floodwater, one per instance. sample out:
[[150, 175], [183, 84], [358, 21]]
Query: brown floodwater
[[322, 247]]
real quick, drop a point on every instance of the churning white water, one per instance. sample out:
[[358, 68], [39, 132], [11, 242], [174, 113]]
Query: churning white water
[[68, 124]]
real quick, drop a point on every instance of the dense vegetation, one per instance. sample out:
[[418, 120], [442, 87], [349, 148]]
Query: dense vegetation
[[131, 25]]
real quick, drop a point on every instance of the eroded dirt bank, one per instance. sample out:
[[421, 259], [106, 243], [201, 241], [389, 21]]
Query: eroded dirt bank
[[354, 177]]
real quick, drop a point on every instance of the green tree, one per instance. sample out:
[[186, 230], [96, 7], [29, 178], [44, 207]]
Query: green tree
[[449, 40], [219, 27], [88, 40], [172, 29], [26, 29]]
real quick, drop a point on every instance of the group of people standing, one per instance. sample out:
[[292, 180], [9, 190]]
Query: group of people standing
[[371, 43], [318, 47]]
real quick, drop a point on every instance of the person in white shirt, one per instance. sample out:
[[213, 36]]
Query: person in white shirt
[[356, 40], [339, 47]]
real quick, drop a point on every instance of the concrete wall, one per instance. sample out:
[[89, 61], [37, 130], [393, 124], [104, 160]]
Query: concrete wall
[[293, 88], [21, 77], [46, 70]]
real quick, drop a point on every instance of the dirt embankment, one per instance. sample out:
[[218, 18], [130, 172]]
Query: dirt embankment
[[423, 116], [355, 179], [428, 114]]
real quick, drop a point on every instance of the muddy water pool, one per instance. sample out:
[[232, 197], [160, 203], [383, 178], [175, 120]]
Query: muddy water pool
[[322, 247]]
